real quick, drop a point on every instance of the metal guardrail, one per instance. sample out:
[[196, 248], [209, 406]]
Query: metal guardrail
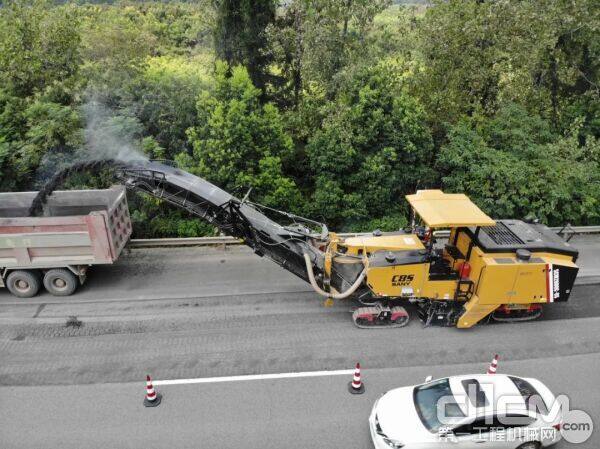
[[579, 229], [184, 241], [225, 240]]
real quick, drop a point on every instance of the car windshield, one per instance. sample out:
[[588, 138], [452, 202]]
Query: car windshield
[[531, 396], [427, 397]]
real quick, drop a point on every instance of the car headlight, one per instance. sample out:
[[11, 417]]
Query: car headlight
[[392, 443]]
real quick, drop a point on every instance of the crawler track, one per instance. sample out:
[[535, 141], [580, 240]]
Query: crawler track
[[376, 323], [517, 319]]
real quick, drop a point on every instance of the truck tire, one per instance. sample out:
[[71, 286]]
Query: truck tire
[[60, 282], [23, 284]]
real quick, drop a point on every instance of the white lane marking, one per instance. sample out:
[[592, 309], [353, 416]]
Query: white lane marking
[[208, 380]]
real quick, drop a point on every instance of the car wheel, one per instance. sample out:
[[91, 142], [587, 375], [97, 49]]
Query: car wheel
[[530, 445], [60, 282], [23, 284]]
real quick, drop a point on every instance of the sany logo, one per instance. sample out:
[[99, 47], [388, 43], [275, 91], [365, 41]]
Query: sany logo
[[556, 277], [402, 279]]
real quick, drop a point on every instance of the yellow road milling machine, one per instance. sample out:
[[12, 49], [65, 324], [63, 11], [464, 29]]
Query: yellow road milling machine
[[504, 270]]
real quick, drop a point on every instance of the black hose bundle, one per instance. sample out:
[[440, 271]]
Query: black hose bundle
[[93, 166]]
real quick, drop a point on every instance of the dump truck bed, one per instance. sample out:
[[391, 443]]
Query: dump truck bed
[[78, 228]]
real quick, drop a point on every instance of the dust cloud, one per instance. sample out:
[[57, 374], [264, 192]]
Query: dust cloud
[[108, 135]]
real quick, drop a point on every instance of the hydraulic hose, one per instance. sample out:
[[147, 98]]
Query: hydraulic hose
[[316, 288]]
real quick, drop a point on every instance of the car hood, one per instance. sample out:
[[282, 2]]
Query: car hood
[[398, 417]]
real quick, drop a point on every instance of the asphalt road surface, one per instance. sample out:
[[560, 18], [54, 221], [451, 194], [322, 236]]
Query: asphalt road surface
[[292, 413], [72, 369]]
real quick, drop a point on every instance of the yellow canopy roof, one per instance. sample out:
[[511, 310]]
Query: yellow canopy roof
[[447, 210]]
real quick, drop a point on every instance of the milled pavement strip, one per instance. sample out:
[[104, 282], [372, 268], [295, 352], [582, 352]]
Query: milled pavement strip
[[581, 280], [582, 303], [58, 300], [277, 348]]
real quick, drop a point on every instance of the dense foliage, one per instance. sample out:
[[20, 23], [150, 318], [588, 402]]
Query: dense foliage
[[334, 109]]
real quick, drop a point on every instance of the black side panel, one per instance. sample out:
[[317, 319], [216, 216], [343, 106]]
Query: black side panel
[[562, 282], [343, 275]]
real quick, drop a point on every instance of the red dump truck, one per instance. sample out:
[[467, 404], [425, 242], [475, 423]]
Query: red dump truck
[[78, 229]]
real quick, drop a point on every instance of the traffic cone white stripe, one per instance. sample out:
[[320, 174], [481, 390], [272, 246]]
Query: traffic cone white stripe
[[356, 379], [493, 366], [150, 393], [356, 386], [153, 398]]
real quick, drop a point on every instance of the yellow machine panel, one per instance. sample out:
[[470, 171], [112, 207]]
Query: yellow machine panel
[[442, 210], [474, 312], [530, 285], [443, 290], [398, 280], [462, 241], [370, 244], [506, 280], [496, 284]]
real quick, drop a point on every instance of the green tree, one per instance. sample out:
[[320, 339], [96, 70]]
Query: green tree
[[39, 134], [177, 27], [373, 148], [240, 37], [462, 57], [8, 180], [164, 100], [240, 143], [477, 55], [53, 130], [317, 41], [555, 180], [39, 46]]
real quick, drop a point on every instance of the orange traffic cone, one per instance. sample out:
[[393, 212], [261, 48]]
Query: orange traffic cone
[[356, 386], [152, 398], [493, 366]]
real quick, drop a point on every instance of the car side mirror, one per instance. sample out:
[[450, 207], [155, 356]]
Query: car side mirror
[[428, 378]]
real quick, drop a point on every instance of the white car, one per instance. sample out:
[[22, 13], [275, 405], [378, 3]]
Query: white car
[[480, 411]]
